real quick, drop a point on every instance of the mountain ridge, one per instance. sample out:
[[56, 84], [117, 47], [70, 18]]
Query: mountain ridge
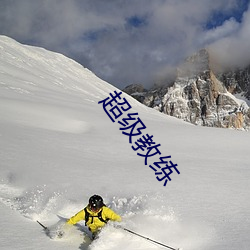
[[201, 95]]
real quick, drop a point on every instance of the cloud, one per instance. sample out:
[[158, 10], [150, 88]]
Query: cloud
[[228, 28], [233, 49], [125, 42]]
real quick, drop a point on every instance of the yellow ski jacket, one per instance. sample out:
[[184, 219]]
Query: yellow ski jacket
[[94, 223]]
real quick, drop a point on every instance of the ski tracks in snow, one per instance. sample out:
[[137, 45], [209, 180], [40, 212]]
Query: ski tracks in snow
[[32, 204], [146, 215], [40, 204], [8, 193]]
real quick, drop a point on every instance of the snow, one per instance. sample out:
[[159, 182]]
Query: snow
[[58, 147], [242, 99]]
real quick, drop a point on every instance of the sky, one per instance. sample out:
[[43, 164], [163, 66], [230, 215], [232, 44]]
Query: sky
[[132, 41]]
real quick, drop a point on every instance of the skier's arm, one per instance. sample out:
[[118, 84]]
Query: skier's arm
[[77, 217], [110, 214]]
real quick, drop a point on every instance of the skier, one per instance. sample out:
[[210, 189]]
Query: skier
[[95, 214]]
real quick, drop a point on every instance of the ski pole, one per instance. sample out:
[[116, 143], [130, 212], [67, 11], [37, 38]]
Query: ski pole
[[149, 239], [45, 228]]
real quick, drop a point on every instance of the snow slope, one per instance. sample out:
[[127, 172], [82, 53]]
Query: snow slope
[[58, 147]]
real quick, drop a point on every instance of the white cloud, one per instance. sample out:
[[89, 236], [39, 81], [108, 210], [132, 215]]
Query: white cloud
[[233, 50], [97, 32], [228, 28]]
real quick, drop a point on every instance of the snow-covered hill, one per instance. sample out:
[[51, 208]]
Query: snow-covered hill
[[58, 147]]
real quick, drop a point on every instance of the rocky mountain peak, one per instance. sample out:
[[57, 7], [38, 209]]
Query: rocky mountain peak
[[196, 64], [200, 96]]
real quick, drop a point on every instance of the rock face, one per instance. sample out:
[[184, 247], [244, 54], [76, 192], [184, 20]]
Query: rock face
[[237, 81], [137, 91], [201, 97]]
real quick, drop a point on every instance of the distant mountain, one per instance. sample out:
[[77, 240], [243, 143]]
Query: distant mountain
[[237, 81], [201, 94]]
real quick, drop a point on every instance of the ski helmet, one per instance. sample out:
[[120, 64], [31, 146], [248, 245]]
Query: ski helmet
[[96, 202]]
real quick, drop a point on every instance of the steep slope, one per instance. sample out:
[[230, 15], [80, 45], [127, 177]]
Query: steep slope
[[58, 147]]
